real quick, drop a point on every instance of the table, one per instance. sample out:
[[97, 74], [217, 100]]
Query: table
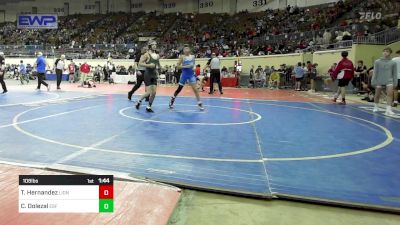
[[227, 82], [122, 79], [53, 76]]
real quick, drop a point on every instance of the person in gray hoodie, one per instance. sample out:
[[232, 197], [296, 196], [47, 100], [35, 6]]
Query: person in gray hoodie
[[385, 75]]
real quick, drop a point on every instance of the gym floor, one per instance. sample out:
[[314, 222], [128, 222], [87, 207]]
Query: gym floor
[[263, 143]]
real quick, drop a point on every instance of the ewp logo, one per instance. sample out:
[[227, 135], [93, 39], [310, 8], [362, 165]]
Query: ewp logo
[[37, 21]]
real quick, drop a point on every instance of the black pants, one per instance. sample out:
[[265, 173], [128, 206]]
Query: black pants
[[59, 77], [40, 77], [3, 84], [139, 81], [107, 75], [215, 77]]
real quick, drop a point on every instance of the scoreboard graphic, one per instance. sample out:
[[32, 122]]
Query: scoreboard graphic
[[66, 194]]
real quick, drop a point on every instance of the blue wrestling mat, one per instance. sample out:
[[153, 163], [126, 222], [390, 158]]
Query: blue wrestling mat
[[321, 152]]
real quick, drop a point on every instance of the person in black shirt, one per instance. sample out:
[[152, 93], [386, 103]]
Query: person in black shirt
[[360, 75], [215, 74], [2, 72], [252, 82], [367, 87]]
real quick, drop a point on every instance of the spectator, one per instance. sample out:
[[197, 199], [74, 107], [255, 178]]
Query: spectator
[[259, 76], [396, 89], [367, 87], [2, 72], [252, 77], [359, 75], [23, 74], [71, 70], [274, 80], [327, 37], [385, 75], [328, 79], [85, 70], [299, 75]]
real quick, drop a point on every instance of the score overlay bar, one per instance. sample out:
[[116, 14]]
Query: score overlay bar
[[66, 193]]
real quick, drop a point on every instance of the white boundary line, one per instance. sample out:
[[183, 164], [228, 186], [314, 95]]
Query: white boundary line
[[35, 102], [377, 147], [46, 117], [258, 117]]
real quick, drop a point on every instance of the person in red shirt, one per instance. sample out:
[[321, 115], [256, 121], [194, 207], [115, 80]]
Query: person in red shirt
[[71, 69], [198, 71], [85, 70], [344, 72], [328, 79]]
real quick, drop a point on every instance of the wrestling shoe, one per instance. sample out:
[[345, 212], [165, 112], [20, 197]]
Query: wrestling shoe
[[149, 110], [137, 106], [130, 96], [201, 107], [389, 112], [365, 98], [171, 102]]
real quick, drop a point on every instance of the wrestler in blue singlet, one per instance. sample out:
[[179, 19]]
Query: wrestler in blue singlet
[[187, 73]]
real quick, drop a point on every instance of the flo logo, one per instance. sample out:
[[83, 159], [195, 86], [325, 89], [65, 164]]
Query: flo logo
[[37, 21], [370, 15]]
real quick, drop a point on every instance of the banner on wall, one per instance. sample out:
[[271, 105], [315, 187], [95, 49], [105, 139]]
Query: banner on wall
[[256, 5], [210, 6], [145, 5], [37, 21], [173, 6]]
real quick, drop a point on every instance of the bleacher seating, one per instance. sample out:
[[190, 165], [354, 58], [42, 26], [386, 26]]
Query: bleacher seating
[[269, 32]]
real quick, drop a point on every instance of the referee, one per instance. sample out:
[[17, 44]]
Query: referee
[[215, 74], [2, 72], [60, 66]]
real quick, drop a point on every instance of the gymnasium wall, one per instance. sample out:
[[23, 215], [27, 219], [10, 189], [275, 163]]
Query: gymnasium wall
[[324, 59], [370, 53], [247, 62]]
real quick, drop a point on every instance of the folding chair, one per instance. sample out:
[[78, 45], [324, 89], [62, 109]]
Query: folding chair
[[162, 79]]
